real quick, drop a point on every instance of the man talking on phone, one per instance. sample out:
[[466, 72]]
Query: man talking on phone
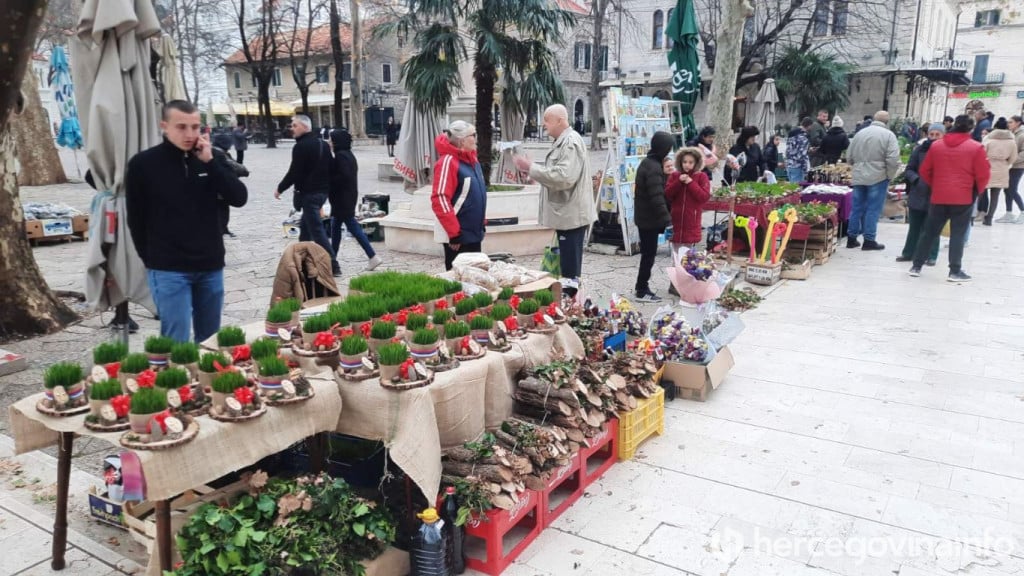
[[173, 191]]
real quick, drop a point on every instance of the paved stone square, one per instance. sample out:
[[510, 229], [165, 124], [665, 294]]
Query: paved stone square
[[873, 424]]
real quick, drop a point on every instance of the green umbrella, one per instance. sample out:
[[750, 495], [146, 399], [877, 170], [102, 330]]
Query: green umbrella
[[684, 62]]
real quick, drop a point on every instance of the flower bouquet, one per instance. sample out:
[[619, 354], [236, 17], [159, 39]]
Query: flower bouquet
[[695, 277]]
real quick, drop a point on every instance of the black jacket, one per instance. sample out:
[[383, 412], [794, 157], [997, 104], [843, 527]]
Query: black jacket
[[649, 204], [311, 168], [172, 204], [391, 130], [754, 166], [833, 144], [345, 183], [771, 157], [919, 194]]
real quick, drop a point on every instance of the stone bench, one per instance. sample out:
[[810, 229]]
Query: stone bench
[[386, 172]]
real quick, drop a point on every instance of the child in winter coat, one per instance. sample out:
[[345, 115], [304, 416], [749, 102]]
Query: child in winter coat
[[687, 190]]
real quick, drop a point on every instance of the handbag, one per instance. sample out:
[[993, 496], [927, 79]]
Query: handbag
[[551, 262], [440, 235]]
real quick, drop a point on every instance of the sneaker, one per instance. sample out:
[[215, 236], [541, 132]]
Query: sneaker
[[851, 242], [647, 296], [958, 277], [336, 270], [915, 271], [1007, 219], [872, 245], [1020, 219], [373, 263], [929, 262], [904, 259]]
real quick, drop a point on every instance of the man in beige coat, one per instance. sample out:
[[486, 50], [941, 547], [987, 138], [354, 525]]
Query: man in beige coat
[[567, 198]]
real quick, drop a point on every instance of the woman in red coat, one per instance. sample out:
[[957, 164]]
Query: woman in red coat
[[687, 190]]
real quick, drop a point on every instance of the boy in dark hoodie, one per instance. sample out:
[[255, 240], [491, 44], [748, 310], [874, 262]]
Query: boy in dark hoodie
[[344, 195], [651, 212]]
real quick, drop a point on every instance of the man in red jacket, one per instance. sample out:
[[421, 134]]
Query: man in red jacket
[[957, 169]]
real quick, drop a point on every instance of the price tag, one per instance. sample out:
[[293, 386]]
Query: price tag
[[174, 426], [549, 320], [421, 370]]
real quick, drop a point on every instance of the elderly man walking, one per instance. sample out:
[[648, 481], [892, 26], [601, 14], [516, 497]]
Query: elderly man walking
[[567, 199], [875, 156]]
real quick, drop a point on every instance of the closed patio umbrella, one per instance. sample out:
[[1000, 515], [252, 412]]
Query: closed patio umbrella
[[766, 99], [415, 155], [170, 78], [70, 135]]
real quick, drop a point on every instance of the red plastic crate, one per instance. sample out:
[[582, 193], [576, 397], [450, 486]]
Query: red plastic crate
[[554, 499], [527, 514], [602, 453]]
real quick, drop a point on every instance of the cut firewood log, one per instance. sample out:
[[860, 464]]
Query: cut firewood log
[[503, 501], [488, 472]]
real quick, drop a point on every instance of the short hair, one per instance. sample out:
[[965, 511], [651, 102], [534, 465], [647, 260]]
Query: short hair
[[980, 112], [867, 117], [947, 119], [558, 111], [806, 122], [460, 130], [706, 131], [1001, 124], [183, 106], [963, 123], [304, 120], [822, 110], [882, 116], [1016, 118]]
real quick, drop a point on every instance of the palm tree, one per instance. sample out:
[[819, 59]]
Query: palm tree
[[812, 81], [507, 35]]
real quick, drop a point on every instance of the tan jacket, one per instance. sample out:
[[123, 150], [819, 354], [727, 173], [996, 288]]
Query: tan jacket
[[1001, 149], [1019, 137], [300, 262], [567, 199]]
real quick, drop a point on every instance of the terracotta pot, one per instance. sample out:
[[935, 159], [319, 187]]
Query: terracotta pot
[[192, 368], [96, 405], [140, 422], [525, 321], [352, 362], [388, 372], [271, 383], [158, 360]]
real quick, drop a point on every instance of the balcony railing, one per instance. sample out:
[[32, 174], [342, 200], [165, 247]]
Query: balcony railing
[[988, 78]]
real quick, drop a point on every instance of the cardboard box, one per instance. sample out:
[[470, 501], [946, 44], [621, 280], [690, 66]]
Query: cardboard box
[[80, 223], [57, 227], [553, 284], [696, 381], [33, 229], [105, 510], [764, 274], [11, 362], [800, 271]]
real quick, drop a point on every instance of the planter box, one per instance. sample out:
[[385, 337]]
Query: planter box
[[696, 381], [763, 274], [141, 520], [797, 271]]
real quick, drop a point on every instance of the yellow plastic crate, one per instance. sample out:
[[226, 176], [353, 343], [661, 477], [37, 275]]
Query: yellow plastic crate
[[637, 425]]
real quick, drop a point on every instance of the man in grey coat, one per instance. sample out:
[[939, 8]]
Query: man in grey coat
[[241, 138], [567, 197], [875, 155]]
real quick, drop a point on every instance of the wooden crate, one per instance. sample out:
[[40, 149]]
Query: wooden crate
[[141, 520]]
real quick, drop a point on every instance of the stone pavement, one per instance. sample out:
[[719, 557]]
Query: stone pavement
[[873, 423]]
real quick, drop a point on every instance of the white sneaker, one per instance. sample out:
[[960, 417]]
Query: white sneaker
[[373, 263], [1020, 219], [1007, 218]]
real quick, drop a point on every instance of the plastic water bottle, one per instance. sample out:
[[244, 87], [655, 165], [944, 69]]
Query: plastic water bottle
[[456, 534], [428, 553]]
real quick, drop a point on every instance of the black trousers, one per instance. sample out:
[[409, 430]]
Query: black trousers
[[648, 251], [570, 251], [224, 214], [240, 156], [959, 217], [311, 227], [450, 253]]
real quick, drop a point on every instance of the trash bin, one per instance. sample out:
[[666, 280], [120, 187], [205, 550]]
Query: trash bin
[[374, 231]]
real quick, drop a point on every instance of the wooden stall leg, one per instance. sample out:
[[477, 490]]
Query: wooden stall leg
[[60, 522], [317, 447], [163, 533]]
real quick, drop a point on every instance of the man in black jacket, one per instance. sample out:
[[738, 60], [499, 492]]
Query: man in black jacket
[[310, 172], [172, 193]]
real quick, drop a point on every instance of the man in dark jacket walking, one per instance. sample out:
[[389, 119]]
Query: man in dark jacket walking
[[344, 195], [815, 134], [241, 138], [172, 193], [651, 213], [310, 172], [918, 197]]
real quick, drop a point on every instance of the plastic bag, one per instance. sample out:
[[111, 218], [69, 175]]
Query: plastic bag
[[478, 277], [472, 259]]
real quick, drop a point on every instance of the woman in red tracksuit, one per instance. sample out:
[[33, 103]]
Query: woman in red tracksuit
[[687, 190], [459, 196]]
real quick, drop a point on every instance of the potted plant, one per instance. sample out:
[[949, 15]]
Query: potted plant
[[449, 289], [501, 311], [272, 370], [131, 367], [158, 348], [109, 355], [101, 393], [390, 357], [423, 343], [262, 348], [225, 384], [230, 336], [463, 308], [394, 303], [172, 378], [440, 318], [70, 377], [527, 308], [483, 301], [358, 314], [313, 326], [454, 332], [186, 355], [337, 314], [146, 403], [208, 368], [414, 322], [279, 317], [376, 306], [505, 294], [353, 350], [381, 333], [481, 327], [293, 305], [543, 297]]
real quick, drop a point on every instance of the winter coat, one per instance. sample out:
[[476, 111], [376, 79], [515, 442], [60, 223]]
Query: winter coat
[[241, 139], [567, 197], [816, 133], [753, 167], [687, 202], [304, 272], [391, 131], [771, 157], [833, 144], [1001, 149], [875, 155], [455, 167], [984, 124], [345, 182], [798, 146], [311, 169], [918, 192], [650, 208], [1018, 136], [956, 168]]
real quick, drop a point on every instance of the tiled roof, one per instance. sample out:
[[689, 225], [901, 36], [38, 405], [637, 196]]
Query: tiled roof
[[319, 43], [572, 6]]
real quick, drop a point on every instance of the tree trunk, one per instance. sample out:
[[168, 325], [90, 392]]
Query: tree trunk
[[338, 57], [727, 62], [599, 9], [484, 75], [40, 163], [27, 306], [268, 118], [355, 99]]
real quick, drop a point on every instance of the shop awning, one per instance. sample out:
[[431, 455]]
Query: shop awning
[[277, 108], [954, 77], [322, 100]]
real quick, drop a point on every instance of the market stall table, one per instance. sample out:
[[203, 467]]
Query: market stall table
[[842, 200], [219, 448]]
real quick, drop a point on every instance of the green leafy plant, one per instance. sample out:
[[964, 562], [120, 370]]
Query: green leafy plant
[[392, 354], [544, 297], [474, 499], [159, 345], [108, 352], [424, 336], [528, 306], [414, 322], [482, 299], [337, 315], [353, 346], [272, 366], [376, 306], [315, 324], [394, 303], [382, 330], [105, 390], [501, 311], [357, 309], [135, 363], [230, 336], [207, 360], [481, 322], [65, 374], [451, 287], [465, 306], [172, 378], [292, 304], [227, 382], [185, 353], [279, 314], [456, 329], [263, 347], [149, 401], [442, 317], [506, 293]]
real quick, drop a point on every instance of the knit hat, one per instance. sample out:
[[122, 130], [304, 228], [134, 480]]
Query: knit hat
[[837, 122], [461, 129], [937, 126]]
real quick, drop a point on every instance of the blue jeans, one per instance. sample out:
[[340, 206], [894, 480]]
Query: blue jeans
[[795, 174], [355, 230], [312, 227], [187, 300], [867, 207]]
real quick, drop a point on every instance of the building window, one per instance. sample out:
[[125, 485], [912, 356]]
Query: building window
[[819, 22], [581, 56], [238, 79], [986, 18], [323, 74], [385, 73], [658, 30], [668, 21], [980, 69], [602, 62], [840, 15], [346, 71], [275, 80]]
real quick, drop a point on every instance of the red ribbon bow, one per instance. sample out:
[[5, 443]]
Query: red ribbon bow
[[552, 310], [121, 404], [471, 315], [418, 309], [325, 339], [185, 393], [387, 317], [512, 323], [365, 329], [112, 369], [407, 369], [346, 332], [243, 395], [161, 420], [464, 343], [458, 297], [146, 379], [221, 369], [243, 352], [514, 301], [538, 317], [441, 304], [403, 315]]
